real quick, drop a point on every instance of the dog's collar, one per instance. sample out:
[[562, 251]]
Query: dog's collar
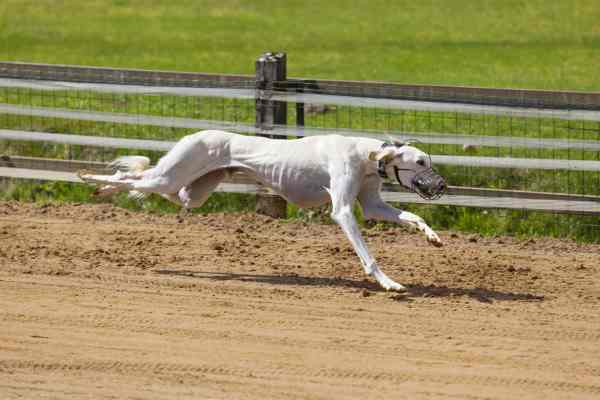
[[381, 164], [381, 169]]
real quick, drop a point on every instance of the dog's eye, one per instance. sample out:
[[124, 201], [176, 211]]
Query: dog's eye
[[421, 162]]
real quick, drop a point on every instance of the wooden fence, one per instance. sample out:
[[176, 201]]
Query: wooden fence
[[277, 93]]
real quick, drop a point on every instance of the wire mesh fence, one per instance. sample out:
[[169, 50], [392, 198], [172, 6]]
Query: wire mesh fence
[[131, 115], [520, 158], [507, 155]]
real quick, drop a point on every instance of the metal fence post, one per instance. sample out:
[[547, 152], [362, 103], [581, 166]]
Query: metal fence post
[[271, 73]]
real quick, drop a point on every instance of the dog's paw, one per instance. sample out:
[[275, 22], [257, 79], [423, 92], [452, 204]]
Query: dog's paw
[[385, 282], [392, 286], [83, 174], [434, 239], [396, 287], [104, 191]]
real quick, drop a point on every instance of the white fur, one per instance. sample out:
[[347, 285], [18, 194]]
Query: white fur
[[132, 164], [308, 172]]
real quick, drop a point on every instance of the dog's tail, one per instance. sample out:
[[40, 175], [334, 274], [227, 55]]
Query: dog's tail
[[130, 164]]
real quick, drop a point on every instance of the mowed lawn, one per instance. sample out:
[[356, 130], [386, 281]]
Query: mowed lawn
[[498, 43]]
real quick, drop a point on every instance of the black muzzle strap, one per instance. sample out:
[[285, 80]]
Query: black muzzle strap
[[381, 169]]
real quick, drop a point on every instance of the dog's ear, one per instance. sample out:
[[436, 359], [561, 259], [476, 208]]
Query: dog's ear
[[395, 142], [386, 154]]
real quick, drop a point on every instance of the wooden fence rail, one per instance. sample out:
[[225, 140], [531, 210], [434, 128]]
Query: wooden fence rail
[[553, 202], [53, 164], [287, 131], [568, 100], [515, 110], [164, 145]]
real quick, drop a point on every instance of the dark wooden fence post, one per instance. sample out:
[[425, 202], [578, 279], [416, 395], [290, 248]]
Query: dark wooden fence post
[[271, 72], [299, 107]]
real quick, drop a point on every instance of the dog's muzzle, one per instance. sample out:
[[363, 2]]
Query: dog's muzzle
[[428, 184]]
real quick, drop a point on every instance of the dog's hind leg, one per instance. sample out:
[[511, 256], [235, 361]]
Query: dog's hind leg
[[127, 167], [147, 181], [106, 190], [197, 192], [119, 178]]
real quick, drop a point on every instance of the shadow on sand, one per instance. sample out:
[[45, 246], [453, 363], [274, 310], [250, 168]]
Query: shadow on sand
[[283, 279], [413, 291]]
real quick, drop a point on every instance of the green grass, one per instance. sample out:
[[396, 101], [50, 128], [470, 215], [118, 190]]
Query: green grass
[[497, 43], [61, 192], [502, 43]]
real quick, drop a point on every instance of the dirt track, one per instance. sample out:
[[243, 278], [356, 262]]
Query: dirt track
[[97, 302]]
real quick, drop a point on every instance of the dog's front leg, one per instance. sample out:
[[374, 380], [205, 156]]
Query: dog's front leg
[[411, 219], [375, 208], [342, 198]]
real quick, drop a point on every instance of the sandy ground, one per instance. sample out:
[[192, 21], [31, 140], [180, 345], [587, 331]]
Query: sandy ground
[[98, 302]]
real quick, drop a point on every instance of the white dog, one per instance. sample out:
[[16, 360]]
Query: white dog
[[307, 172]]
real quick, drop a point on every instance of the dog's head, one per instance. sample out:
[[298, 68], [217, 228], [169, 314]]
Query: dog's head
[[411, 167]]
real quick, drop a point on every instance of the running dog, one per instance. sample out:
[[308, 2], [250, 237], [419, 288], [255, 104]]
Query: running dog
[[308, 172]]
